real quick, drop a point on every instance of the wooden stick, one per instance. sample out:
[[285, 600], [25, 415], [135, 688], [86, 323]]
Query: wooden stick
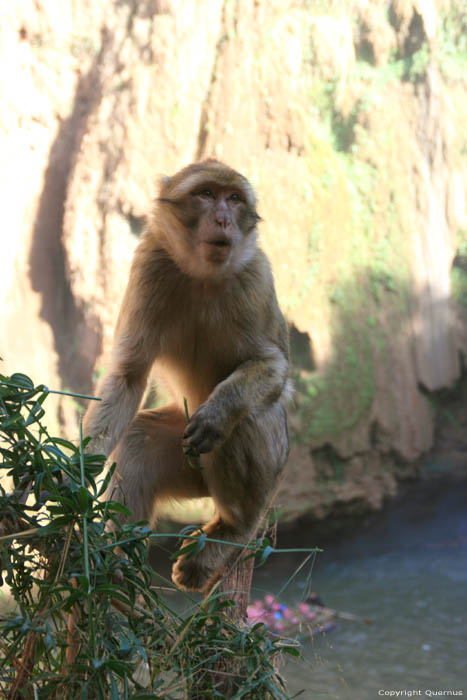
[[236, 586]]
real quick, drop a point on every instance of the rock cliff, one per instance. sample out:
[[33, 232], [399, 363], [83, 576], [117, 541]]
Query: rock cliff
[[349, 118]]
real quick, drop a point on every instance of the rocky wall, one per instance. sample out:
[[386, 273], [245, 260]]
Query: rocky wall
[[347, 117]]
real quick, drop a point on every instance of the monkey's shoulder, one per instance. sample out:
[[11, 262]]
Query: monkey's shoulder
[[267, 306], [151, 260], [260, 265], [255, 281], [154, 275]]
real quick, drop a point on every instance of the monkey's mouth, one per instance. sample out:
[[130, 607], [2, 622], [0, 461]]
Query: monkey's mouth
[[218, 249], [220, 243]]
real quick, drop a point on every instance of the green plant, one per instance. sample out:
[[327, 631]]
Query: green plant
[[459, 285], [459, 270], [418, 63], [461, 239], [85, 620], [452, 33]]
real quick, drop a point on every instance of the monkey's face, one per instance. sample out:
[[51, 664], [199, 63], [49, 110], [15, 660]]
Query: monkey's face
[[209, 220], [221, 230]]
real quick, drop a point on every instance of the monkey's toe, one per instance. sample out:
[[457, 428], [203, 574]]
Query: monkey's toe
[[189, 575]]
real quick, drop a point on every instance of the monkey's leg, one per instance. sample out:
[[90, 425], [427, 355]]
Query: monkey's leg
[[151, 465], [241, 476]]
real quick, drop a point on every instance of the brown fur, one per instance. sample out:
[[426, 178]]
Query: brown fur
[[200, 304]]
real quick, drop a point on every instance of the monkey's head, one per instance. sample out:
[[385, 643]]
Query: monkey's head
[[206, 219]]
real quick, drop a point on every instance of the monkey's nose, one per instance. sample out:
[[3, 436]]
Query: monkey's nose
[[222, 215]]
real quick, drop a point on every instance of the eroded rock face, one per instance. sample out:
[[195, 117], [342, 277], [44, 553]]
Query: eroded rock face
[[351, 132]]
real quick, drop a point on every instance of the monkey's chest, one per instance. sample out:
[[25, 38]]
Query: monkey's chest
[[196, 355]]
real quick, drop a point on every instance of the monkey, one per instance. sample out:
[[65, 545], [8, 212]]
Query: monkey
[[200, 306]]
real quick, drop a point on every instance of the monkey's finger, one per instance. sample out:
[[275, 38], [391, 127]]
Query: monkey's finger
[[202, 441], [192, 435], [190, 429], [195, 432], [189, 450], [191, 446], [206, 446]]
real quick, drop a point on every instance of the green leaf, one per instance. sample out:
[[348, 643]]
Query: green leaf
[[63, 443], [114, 593], [115, 507], [258, 626], [50, 642], [103, 486], [55, 525], [121, 668], [81, 580], [84, 499], [187, 415], [190, 550], [265, 553], [114, 695], [188, 530], [201, 542], [22, 380], [291, 651], [35, 414], [55, 452]]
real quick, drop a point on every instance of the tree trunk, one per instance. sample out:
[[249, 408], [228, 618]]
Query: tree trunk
[[228, 678], [236, 586]]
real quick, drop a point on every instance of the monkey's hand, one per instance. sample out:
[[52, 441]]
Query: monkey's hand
[[204, 431]]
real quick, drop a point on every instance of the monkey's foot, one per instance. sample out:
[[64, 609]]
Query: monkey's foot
[[191, 575]]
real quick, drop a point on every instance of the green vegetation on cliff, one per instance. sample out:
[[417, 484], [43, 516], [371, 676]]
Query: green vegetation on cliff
[[459, 270], [362, 191]]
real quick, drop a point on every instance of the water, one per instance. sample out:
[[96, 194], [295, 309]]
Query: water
[[406, 570]]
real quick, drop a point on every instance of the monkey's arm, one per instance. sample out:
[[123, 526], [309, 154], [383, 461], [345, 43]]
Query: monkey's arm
[[134, 350], [121, 392], [254, 385]]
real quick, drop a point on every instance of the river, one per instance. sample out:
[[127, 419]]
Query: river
[[406, 569]]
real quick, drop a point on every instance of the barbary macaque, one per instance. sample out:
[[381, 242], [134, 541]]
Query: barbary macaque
[[200, 305]]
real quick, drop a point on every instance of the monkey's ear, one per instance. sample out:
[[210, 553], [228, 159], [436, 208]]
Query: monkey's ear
[[162, 183]]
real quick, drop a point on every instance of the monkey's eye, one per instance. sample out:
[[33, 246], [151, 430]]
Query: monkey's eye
[[235, 197], [205, 192]]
